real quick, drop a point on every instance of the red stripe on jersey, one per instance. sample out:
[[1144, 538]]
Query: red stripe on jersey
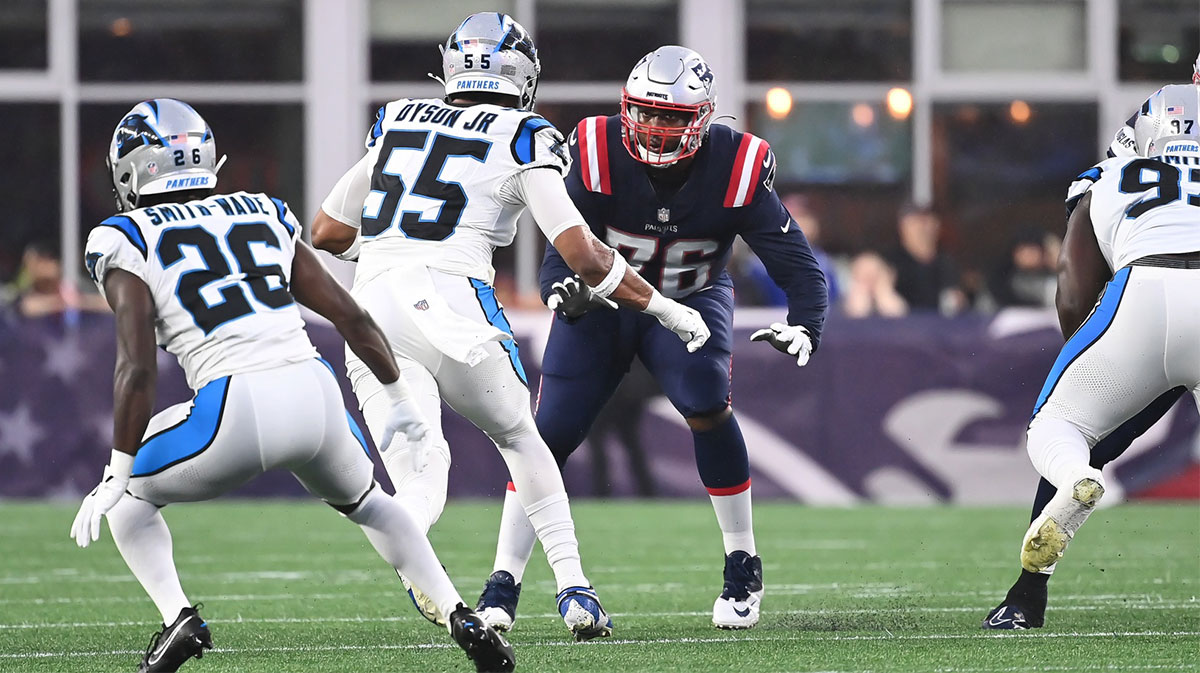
[[731, 490], [758, 166], [602, 154], [736, 177], [585, 169]]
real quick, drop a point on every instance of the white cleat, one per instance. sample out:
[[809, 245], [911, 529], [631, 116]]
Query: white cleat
[[730, 613], [738, 605], [423, 603], [1049, 534], [496, 618]]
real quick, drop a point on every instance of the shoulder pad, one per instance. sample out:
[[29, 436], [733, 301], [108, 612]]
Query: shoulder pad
[[126, 225], [525, 143], [1081, 185], [753, 163], [592, 134]]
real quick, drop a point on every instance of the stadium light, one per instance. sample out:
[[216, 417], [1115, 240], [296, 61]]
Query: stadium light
[[779, 102], [899, 103], [1020, 111], [862, 114]]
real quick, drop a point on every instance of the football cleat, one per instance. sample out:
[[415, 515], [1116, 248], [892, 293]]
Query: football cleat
[[1006, 618], [737, 606], [488, 649], [585, 617], [187, 637], [423, 603], [498, 602], [1049, 534]]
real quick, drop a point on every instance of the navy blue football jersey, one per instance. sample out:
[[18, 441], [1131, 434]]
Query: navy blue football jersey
[[681, 242]]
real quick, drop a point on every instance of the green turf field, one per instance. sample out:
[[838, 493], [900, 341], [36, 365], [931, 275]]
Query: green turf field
[[290, 586]]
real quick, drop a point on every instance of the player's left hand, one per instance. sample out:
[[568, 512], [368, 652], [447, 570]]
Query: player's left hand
[[405, 418], [572, 298], [790, 339], [86, 528]]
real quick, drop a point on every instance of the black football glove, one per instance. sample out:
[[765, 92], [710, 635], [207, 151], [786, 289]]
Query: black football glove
[[572, 298]]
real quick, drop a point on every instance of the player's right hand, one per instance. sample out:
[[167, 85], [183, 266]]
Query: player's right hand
[[86, 527], [572, 298], [687, 324], [405, 418]]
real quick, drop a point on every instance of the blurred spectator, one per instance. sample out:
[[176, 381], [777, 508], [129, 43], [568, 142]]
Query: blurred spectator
[[806, 219], [872, 289], [1026, 278], [41, 290], [751, 281], [926, 277]]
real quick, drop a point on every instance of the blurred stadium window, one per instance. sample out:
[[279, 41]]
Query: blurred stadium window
[[30, 178], [1157, 39], [166, 40], [822, 41], [1014, 35], [23, 35], [260, 141], [995, 174], [405, 35], [601, 40]]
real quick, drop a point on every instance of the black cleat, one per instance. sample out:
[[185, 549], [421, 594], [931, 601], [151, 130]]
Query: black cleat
[[488, 649], [187, 637], [1024, 607], [498, 602]]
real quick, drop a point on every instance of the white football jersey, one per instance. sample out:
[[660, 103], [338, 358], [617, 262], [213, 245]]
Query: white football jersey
[[1145, 207], [219, 271], [437, 173]]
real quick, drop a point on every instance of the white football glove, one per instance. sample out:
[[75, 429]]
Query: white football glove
[[790, 339], [86, 527], [406, 418], [685, 322]]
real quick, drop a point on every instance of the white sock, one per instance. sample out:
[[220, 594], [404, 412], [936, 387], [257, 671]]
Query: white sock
[[736, 520], [144, 541], [398, 540], [541, 493], [514, 546], [1060, 453]]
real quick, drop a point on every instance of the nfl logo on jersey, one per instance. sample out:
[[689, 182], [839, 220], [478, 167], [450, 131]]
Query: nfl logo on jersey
[[664, 214]]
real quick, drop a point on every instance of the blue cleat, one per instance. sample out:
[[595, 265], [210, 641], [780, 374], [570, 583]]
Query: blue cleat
[[585, 617], [498, 603]]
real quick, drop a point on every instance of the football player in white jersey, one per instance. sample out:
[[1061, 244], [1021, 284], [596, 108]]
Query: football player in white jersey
[[1133, 240], [1024, 605], [214, 279], [439, 189]]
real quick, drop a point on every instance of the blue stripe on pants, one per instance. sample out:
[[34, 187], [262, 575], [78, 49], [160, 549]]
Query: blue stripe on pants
[[486, 295], [1092, 329], [187, 438]]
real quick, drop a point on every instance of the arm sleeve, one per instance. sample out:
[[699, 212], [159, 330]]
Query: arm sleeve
[[345, 201], [109, 248], [789, 260], [546, 196]]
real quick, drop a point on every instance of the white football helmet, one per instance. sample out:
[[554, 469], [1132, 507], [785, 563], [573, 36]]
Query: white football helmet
[[1169, 122], [491, 53], [669, 81], [161, 145]]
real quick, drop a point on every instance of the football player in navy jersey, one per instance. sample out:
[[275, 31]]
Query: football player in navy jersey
[[669, 189]]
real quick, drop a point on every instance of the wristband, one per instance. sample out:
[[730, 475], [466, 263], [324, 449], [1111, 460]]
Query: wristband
[[616, 274]]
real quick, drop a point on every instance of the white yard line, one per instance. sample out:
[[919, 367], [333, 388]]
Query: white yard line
[[1184, 605], [651, 641]]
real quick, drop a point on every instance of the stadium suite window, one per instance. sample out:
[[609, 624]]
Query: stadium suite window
[[30, 137], [1000, 168], [822, 41], [405, 35], [601, 40], [260, 141], [1158, 39], [1014, 35], [23, 35], [198, 41]]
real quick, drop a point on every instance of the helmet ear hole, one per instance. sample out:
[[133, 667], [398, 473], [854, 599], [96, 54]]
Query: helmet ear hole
[[125, 179]]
